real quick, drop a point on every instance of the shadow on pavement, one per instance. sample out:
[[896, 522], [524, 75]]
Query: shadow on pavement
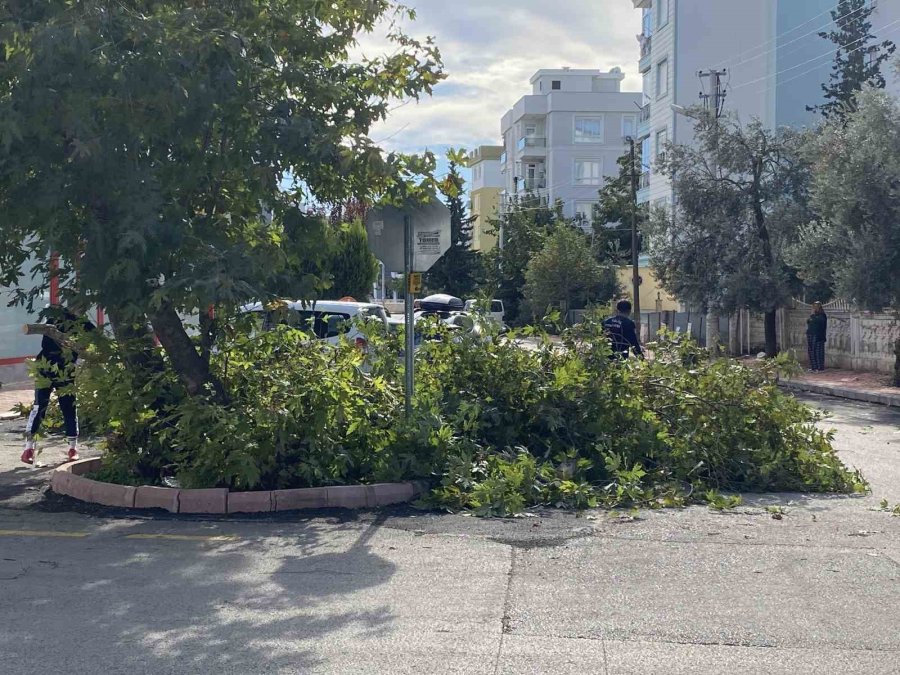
[[158, 606]]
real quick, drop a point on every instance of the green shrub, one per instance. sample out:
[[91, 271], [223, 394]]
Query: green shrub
[[496, 427]]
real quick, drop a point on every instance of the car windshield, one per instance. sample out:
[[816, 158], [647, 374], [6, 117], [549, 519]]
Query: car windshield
[[496, 306]]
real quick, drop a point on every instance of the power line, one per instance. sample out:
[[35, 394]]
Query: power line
[[807, 62], [740, 60], [816, 67]]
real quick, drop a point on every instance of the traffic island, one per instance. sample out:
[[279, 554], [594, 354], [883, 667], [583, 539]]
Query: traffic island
[[71, 480]]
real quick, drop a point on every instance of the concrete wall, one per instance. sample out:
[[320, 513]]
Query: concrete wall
[[14, 346]]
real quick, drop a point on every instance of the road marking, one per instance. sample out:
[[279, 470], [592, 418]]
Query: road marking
[[185, 537], [43, 533]]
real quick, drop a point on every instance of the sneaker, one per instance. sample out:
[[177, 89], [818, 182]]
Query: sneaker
[[28, 456], [73, 455]]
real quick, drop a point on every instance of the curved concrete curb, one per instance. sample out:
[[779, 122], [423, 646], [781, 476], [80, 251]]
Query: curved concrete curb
[[69, 480]]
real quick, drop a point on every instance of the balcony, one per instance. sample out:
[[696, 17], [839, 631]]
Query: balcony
[[532, 184], [645, 60], [531, 147], [644, 120], [644, 181]]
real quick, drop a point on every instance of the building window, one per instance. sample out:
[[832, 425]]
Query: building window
[[645, 155], [662, 138], [530, 130], [584, 213], [647, 22], [662, 78], [476, 204], [629, 126], [662, 13], [588, 129], [588, 172], [556, 85]]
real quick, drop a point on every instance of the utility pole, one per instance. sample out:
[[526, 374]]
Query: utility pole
[[714, 103], [635, 268]]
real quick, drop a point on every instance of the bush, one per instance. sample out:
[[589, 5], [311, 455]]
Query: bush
[[496, 426]]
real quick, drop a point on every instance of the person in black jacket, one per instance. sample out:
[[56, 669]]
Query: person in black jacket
[[56, 370], [816, 335], [622, 331]]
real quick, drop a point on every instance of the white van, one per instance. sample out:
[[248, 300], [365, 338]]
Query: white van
[[497, 312], [328, 320]]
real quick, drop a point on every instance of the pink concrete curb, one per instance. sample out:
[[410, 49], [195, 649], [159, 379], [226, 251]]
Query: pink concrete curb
[[69, 480]]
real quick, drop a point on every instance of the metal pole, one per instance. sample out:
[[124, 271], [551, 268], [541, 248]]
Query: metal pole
[[635, 267], [410, 318]]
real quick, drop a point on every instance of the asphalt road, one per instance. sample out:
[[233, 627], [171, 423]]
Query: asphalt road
[[816, 591]]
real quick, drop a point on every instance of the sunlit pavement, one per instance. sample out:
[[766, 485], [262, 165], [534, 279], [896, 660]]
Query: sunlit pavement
[[810, 587]]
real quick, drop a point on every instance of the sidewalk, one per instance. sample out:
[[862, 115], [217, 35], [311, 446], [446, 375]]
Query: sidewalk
[[858, 386], [12, 394]]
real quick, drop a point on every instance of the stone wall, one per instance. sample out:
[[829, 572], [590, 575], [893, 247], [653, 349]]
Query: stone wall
[[857, 340]]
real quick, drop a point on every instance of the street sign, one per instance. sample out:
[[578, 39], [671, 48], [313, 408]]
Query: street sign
[[415, 282], [430, 234]]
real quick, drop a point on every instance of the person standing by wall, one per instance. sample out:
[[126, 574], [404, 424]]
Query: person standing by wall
[[816, 335], [56, 370]]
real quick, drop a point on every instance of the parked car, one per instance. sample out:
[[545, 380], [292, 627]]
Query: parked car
[[328, 320], [497, 312]]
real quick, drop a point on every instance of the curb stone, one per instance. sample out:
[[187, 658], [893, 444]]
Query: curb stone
[[69, 479], [843, 392]]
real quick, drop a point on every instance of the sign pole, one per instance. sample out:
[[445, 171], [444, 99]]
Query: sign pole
[[410, 317]]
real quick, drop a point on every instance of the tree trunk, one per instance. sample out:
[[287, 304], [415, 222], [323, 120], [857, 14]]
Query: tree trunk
[[136, 343], [771, 333], [186, 360]]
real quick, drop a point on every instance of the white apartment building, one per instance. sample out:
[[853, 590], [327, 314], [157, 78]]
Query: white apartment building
[[774, 59], [561, 141]]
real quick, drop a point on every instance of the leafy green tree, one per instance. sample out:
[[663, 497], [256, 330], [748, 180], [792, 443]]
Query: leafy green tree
[[856, 61], [565, 273], [353, 267], [459, 272], [855, 244], [146, 143], [742, 191], [613, 213], [522, 230]]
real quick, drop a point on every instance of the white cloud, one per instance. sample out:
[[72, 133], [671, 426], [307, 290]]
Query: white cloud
[[491, 49]]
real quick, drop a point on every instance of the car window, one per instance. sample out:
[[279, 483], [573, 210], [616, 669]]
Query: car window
[[496, 306], [321, 324]]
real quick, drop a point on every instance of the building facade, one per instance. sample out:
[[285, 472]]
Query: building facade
[[773, 59], [485, 186], [561, 141]]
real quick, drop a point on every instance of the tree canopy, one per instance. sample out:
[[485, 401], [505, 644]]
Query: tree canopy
[[742, 191], [147, 143], [522, 229], [564, 273]]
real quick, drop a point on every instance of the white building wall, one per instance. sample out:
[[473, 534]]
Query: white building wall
[[551, 114]]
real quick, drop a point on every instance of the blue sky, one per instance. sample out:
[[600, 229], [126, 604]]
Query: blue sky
[[490, 49]]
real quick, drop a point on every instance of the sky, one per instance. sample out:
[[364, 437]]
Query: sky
[[490, 49]]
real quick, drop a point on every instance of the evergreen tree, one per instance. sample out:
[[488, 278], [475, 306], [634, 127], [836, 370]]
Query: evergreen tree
[[856, 62], [353, 267], [459, 271]]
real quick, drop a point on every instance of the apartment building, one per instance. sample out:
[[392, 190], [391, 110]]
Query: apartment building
[[562, 140], [485, 186], [770, 50]]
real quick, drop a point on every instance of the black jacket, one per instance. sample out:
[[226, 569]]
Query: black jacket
[[54, 353], [622, 334], [817, 326]]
